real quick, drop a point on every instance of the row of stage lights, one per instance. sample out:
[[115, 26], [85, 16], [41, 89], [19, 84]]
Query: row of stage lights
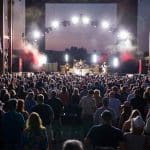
[[94, 59], [75, 20]]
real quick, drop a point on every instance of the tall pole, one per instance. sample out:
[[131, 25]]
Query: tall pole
[[10, 3], [1, 38]]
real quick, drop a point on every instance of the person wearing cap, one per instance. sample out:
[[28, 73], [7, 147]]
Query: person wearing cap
[[105, 135], [135, 140]]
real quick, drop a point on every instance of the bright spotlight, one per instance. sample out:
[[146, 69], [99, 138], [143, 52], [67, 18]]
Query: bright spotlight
[[36, 34], [115, 62], [75, 19], [42, 60], [105, 24], [85, 20], [66, 58], [123, 35], [94, 58], [55, 24]]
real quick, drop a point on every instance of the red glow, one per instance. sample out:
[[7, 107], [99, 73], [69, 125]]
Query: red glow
[[32, 55], [126, 57], [103, 58]]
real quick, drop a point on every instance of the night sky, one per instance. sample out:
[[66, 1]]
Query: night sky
[[81, 36]]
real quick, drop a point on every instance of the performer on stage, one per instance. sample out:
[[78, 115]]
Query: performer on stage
[[104, 68]]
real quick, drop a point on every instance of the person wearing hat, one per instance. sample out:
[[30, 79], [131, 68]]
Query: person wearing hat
[[135, 140], [105, 135]]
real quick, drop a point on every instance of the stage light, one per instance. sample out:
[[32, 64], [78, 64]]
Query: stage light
[[42, 60], [66, 58], [105, 24], [36, 34], [94, 58], [123, 35], [75, 19], [115, 62], [85, 20], [55, 24]]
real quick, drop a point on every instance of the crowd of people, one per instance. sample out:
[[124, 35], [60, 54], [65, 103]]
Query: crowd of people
[[113, 110]]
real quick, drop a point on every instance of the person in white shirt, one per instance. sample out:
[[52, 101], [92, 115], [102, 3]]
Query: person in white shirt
[[88, 106]]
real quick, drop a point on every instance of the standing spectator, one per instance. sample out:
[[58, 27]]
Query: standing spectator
[[148, 114], [13, 94], [115, 105], [20, 109], [131, 94], [1, 115], [12, 127], [123, 94], [105, 135], [84, 91], [44, 93], [35, 135], [116, 93], [46, 114], [21, 92], [146, 97], [5, 100], [75, 98], [127, 124], [64, 96], [57, 107], [72, 145], [29, 102], [97, 115], [2, 93], [39, 83], [1, 110], [147, 134], [88, 106], [135, 140], [138, 103], [98, 98], [125, 113]]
